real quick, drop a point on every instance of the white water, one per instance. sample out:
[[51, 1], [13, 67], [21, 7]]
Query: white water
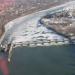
[[25, 29]]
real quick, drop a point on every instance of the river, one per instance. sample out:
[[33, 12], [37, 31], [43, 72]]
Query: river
[[55, 60]]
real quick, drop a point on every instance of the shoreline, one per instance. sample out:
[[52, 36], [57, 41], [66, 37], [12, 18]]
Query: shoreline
[[66, 45]]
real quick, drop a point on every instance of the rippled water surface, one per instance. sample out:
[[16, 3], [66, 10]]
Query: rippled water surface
[[57, 60]]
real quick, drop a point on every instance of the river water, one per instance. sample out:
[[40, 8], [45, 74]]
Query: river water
[[54, 60]]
